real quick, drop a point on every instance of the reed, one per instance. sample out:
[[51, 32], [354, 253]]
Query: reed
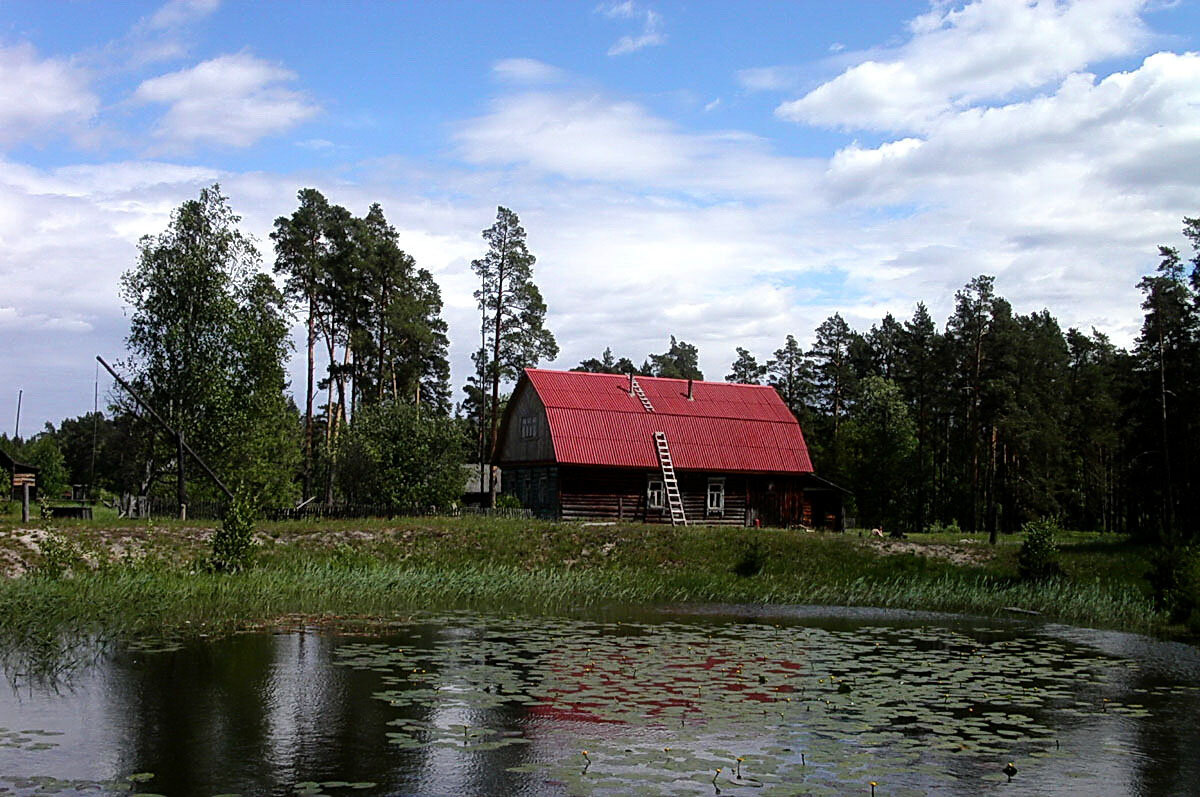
[[380, 569]]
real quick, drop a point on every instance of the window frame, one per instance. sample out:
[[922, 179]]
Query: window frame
[[529, 426], [652, 492], [718, 507]]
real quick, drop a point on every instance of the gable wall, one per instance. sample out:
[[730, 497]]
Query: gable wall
[[517, 448]]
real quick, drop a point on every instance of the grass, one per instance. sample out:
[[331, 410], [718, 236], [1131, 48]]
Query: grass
[[135, 577]]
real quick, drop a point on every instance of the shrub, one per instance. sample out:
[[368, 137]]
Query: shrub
[[752, 560], [57, 557], [233, 542], [1038, 558], [395, 455], [507, 501], [1175, 577]]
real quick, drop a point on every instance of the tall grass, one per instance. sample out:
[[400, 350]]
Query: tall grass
[[131, 602], [379, 568]]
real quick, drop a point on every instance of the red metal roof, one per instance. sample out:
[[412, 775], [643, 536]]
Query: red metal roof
[[726, 427]]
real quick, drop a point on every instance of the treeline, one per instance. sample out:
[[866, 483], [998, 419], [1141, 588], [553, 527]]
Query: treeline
[[209, 342], [996, 418], [987, 421]]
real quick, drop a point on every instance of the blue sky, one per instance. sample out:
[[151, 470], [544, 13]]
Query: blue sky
[[728, 173]]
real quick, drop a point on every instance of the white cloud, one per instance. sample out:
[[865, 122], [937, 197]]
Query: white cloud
[[591, 137], [40, 96], [769, 78], [527, 70], [651, 34], [958, 56], [180, 12], [232, 100]]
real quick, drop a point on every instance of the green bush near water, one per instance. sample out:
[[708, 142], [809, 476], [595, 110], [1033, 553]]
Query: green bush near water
[[1038, 558]]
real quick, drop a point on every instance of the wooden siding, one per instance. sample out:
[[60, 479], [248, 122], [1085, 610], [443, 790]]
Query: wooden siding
[[515, 446], [576, 493], [536, 487], [620, 494]]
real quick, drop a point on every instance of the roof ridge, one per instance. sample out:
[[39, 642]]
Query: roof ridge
[[573, 372], [668, 413]]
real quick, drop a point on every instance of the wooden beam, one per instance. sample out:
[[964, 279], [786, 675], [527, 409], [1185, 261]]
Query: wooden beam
[[182, 444]]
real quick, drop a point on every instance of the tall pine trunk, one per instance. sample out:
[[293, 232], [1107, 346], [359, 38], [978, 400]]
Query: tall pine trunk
[[308, 401], [495, 419]]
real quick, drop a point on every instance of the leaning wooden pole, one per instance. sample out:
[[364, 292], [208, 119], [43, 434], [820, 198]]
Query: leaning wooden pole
[[178, 437]]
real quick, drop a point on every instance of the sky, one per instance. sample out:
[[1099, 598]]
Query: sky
[[725, 172]]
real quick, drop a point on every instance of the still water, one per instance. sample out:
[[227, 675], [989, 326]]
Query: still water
[[722, 700]]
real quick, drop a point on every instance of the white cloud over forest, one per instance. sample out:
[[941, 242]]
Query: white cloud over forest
[[232, 100]]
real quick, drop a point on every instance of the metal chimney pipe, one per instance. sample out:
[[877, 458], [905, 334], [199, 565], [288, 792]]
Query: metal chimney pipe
[[690, 396], [631, 383]]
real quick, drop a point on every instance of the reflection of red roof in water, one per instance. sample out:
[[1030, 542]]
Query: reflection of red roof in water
[[616, 680], [724, 427]]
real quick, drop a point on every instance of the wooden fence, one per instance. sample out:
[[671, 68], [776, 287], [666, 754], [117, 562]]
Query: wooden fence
[[154, 507]]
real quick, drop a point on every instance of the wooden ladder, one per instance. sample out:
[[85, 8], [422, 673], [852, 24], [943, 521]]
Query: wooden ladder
[[670, 483], [637, 391]]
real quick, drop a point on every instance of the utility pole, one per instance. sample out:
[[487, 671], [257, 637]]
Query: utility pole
[[17, 428]]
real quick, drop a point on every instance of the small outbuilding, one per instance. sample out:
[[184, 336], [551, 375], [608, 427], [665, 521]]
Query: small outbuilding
[[584, 446], [19, 472]]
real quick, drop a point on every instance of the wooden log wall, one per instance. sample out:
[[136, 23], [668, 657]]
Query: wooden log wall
[[615, 494]]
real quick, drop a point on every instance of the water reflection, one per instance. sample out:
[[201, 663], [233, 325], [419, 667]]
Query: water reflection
[[467, 704]]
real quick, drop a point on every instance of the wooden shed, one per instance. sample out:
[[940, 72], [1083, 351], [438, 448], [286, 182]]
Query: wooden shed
[[584, 446], [16, 470]]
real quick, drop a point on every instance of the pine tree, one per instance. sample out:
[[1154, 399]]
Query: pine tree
[[790, 373], [834, 379], [513, 315], [680, 361], [745, 369], [921, 376]]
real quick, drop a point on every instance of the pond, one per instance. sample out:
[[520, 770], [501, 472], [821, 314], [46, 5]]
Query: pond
[[721, 700]]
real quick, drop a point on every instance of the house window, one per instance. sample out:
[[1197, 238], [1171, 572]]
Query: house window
[[716, 496], [529, 427], [654, 494]]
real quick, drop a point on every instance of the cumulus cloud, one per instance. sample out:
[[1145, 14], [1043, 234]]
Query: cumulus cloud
[[651, 34], [232, 100], [39, 95], [959, 56]]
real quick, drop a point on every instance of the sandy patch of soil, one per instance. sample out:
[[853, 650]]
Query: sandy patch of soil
[[959, 555]]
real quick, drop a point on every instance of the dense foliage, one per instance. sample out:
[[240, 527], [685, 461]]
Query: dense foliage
[[207, 344], [376, 314], [395, 455]]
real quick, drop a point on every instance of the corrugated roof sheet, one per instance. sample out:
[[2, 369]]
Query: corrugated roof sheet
[[727, 427]]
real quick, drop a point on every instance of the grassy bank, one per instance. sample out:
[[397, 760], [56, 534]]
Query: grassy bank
[[138, 577]]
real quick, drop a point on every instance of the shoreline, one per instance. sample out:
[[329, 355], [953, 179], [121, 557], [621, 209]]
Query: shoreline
[[134, 578]]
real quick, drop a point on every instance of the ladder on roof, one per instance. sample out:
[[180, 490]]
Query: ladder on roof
[[670, 483], [637, 391]]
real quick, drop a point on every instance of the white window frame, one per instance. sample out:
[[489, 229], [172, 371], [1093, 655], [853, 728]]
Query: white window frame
[[656, 494], [529, 427], [715, 498]]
